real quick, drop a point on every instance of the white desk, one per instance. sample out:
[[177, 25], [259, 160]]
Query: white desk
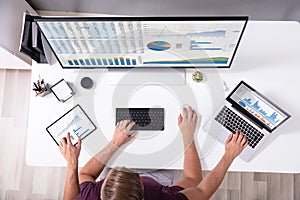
[[267, 59]]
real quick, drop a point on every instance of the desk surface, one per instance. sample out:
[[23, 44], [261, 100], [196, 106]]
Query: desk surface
[[267, 59]]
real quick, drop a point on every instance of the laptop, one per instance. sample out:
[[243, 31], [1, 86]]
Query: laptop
[[250, 112]]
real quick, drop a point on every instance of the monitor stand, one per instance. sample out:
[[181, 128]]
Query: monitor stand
[[138, 76]]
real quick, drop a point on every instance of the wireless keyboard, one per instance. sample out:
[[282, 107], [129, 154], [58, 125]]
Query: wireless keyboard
[[144, 118]]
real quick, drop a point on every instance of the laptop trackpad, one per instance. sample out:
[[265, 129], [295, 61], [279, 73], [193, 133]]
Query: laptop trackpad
[[223, 136]]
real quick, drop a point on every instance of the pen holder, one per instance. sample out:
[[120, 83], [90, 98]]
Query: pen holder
[[45, 91]]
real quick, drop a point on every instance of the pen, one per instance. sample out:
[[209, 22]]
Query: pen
[[35, 85], [40, 92], [39, 84], [45, 87]]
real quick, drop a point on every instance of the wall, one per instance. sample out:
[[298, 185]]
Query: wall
[[11, 14], [256, 9]]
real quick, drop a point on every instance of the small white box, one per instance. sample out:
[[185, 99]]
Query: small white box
[[62, 90]]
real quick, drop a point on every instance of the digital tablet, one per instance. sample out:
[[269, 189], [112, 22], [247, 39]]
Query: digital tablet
[[76, 122]]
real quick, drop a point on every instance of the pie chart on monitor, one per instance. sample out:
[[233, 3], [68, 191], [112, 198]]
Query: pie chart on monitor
[[158, 45]]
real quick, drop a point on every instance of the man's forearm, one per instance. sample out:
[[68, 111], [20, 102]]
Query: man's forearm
[[234, 146], [192, 165], [72, 183], [192, 172], [212, 180], [95, 165]]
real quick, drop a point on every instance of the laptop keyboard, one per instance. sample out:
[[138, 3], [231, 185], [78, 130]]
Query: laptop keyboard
[[233, 122], [144, 118]]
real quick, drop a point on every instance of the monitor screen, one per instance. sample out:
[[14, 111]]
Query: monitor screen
[[143, 41], [258, 106]]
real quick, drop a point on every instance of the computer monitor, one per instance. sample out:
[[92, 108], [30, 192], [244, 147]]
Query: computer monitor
[[143, 42]]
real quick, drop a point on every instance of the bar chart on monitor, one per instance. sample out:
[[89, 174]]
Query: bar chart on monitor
[[98, 43], [191, 43]]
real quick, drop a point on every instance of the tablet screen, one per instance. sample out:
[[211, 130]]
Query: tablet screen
[[75, 121]]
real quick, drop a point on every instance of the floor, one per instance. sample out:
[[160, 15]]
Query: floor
[[19, 181]]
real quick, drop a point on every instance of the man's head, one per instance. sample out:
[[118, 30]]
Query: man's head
[[122, 183]]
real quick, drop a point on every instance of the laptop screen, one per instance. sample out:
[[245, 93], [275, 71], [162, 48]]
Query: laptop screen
[[262, 110]]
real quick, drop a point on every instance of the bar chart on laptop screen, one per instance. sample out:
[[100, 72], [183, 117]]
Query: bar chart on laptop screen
[[143, 43], [258, 107]]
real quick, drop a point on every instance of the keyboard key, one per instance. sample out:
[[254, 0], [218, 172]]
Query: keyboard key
[[144, 118], [233, 122]]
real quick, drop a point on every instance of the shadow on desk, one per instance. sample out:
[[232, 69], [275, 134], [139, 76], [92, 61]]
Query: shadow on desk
[[290, 127], [255, 63]]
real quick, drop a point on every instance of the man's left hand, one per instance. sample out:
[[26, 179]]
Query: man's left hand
[[69, 151], [122, 133]]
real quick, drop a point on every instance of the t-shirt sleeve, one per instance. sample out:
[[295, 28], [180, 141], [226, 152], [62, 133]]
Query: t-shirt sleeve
[[173, 193], [181, 196], [89, 190], [154, 190]]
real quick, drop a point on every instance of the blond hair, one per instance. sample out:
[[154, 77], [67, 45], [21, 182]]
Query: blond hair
[[122, 183]]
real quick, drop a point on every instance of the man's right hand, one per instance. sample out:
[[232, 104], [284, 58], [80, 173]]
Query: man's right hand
[[187, 122], [69, 151], [235, 144], [206, 188]]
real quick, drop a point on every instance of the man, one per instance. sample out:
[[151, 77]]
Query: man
[[122, 183]]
